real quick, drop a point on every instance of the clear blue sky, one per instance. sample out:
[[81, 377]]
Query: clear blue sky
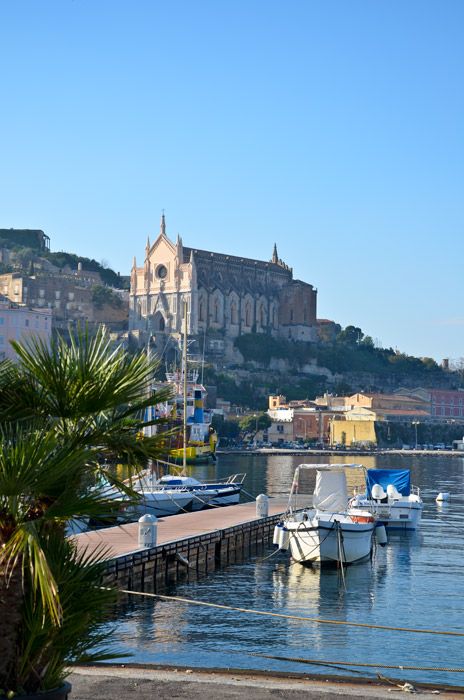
[[334, 128]]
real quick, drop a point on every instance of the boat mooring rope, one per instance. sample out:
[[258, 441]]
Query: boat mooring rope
[[318, 620], [397, 667]]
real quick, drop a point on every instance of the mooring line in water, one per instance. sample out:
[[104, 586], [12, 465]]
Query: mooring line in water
[[318, 620], [397, 667], [329, 664]]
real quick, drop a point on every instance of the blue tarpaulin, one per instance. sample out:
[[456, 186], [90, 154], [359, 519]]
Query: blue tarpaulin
[[400, 478]]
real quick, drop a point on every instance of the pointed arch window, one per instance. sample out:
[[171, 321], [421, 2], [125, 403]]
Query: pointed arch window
[[216, 311], [247, 314], [233, 312], [201, 311]]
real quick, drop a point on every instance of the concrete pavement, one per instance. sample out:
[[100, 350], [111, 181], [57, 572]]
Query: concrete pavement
[[145, 683]]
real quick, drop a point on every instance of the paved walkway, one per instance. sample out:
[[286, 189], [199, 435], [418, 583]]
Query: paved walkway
[[104, 683]]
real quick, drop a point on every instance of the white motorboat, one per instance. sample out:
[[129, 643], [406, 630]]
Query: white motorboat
[[391, 499], [331, 532], [172, 493], [206, 494], [158, 500]]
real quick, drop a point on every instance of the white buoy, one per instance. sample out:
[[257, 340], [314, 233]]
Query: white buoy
[[262, 506], [381, 534], [148, 527], [443, 496]]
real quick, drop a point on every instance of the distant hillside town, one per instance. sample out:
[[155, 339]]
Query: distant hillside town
[[64, 288], [251, 326], [408, 417]]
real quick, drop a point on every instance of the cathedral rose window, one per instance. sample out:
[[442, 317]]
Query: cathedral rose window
[[162, 272]]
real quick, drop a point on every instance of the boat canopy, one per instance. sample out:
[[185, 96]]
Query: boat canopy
[[399, 478], [330, 493]]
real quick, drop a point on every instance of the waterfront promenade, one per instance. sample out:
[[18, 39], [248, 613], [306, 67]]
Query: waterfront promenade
[[145, 683], [330, 452]]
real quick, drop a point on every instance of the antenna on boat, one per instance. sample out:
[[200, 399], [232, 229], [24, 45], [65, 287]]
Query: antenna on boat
[[184, 367]]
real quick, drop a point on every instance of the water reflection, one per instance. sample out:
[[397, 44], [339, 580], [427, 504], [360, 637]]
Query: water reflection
[[412, 582], [320, 594]]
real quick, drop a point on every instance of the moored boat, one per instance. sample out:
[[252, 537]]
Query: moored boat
[[206, 494], [195, 439], [391, 498], [160, 501], [331, 532]]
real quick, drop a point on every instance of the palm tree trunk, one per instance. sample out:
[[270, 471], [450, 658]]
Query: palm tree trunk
[[11, 602]]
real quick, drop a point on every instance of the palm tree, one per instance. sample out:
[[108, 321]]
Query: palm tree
[[65, 409]]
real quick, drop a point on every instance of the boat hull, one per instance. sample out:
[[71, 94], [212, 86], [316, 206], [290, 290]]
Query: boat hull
[[162, 503], [214, 496], [194, 454], [227, 497], [402, 514], [330, 542], [400, 517]]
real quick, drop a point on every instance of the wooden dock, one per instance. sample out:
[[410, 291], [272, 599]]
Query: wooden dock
[[188, 545]]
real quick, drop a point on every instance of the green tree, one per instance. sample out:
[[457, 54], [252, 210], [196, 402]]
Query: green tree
[[351, 335], [252, 423], [102, 295], [64, 409]]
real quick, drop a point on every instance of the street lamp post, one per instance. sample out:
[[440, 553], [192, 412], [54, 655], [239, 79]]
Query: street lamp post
[[255, 416], [415, 423]]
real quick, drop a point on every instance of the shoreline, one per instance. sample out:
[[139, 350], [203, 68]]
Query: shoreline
[[332, 452]]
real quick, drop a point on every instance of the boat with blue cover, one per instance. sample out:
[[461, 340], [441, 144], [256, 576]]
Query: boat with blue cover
[[391, 498]]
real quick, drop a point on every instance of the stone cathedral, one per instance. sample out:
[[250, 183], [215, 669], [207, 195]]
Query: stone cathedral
[[225, 296]]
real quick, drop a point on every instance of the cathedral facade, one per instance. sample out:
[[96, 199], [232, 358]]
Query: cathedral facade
[[224, 296]]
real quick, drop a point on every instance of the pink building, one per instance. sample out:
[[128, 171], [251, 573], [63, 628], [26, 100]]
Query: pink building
[[447, 404], [20, 323]]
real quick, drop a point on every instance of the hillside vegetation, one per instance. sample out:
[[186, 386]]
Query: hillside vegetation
[[109, 276], [351, 351], [25, 249], [353, 360]]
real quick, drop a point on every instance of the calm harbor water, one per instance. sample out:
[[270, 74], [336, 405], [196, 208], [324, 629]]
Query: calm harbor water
[[415, 581]]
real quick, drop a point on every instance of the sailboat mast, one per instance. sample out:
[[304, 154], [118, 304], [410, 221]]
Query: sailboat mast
[[184, 366]]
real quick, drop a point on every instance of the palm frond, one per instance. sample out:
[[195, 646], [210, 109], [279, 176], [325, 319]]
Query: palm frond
[[25, 543], [46, 652]]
